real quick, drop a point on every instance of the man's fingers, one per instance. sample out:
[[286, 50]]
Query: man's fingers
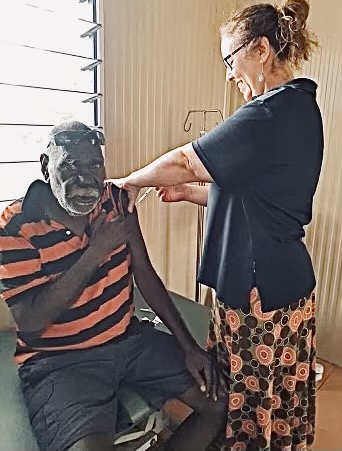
[[215, 383], [207, 377], [224, 383], [117, 218], [199, 379], [99, 220], [125, 239]]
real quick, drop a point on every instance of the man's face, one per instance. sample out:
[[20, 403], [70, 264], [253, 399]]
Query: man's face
[[76, 176]]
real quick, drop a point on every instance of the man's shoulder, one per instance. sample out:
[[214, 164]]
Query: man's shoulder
[[11, 218], [119, 196]]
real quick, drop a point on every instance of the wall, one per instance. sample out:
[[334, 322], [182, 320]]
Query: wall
[[161, 59], [324, 237]]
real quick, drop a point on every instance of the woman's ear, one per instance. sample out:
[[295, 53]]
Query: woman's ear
[[264, 49], [44, 161]]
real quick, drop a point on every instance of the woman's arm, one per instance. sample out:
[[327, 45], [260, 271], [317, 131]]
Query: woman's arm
[[176, 167]]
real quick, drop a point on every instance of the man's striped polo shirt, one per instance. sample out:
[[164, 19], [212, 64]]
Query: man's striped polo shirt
[[35, 250]]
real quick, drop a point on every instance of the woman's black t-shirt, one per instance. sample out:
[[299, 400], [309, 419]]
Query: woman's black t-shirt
[[265, 161]]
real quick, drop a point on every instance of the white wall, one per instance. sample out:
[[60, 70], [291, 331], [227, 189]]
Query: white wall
[[324, 237], [161, 59]]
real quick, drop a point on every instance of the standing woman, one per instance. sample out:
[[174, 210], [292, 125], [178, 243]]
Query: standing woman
[[263, 166]]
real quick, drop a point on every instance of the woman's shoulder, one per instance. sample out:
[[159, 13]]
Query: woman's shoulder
[[257, 109], [294, 89]]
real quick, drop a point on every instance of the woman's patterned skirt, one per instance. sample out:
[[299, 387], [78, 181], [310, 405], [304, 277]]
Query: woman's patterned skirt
[[269, 361]]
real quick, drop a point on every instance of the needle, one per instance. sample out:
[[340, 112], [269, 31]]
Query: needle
[[145, 194]]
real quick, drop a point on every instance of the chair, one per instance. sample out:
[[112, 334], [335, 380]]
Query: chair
[[138, 421]]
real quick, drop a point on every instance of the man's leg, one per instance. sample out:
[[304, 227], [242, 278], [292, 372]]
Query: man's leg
[[99, 442], [94, 442], [199, 430], [156, 368], [72, 399]]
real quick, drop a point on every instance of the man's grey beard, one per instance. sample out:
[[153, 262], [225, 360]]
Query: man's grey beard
[[72, 210]]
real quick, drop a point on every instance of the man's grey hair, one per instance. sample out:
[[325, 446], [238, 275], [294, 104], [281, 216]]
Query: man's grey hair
[[69, 126], [66, 126]]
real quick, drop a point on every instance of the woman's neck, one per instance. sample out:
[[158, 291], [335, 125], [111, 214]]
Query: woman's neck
[[278, 78]]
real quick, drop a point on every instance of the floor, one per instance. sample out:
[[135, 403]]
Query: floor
[[329, 410]]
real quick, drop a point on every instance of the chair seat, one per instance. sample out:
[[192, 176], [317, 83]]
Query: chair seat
[[15, 429]]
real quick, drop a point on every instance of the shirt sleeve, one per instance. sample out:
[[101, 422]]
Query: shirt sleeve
[[120, 199], [240, 147], [20, 265]]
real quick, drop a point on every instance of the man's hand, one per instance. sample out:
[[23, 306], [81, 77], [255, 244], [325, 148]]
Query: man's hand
[[132, 190], [205, 371], [108, 236], [34, 314]]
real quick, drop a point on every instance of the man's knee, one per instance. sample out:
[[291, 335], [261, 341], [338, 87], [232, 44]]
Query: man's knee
[[217, 408], [203, 405]]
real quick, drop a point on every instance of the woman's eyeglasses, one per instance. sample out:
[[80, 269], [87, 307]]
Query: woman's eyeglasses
[[227, 58]]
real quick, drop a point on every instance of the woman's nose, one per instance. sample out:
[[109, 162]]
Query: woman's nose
[[229, 74]]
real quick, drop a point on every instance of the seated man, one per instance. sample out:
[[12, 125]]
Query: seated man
[[68, 255]]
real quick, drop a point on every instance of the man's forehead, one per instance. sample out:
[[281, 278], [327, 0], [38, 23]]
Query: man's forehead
[[80, 151]]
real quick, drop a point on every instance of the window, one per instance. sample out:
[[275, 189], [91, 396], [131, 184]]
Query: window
[[49, 74]]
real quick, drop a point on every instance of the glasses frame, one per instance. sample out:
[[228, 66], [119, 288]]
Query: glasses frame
[[225, 60]]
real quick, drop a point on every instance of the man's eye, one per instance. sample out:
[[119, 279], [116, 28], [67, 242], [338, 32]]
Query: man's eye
[[96, 166], [71, 165]]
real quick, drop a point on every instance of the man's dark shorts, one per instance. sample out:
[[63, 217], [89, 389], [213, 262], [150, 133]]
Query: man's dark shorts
[[74, 394]]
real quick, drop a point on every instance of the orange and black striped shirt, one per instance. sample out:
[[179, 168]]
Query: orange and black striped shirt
[[35, 250]]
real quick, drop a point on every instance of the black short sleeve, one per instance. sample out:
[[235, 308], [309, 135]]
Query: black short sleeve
[[241, 147]]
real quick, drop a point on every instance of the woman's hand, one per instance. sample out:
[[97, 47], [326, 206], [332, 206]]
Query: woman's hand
[[132, 190], [188, 192], [176, 193]]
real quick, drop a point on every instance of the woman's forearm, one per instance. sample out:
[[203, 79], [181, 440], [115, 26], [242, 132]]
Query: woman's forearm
[[172, 168], [197, 194]]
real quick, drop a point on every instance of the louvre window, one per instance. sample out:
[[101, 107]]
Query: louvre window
[[49, 73]]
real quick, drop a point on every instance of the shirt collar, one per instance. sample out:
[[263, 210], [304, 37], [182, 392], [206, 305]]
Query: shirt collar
[[35, 199], [303, 84]]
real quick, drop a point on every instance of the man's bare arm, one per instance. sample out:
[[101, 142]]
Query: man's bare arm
[[199, 363]]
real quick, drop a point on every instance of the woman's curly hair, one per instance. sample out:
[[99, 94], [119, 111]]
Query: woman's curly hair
[[284, 26]]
